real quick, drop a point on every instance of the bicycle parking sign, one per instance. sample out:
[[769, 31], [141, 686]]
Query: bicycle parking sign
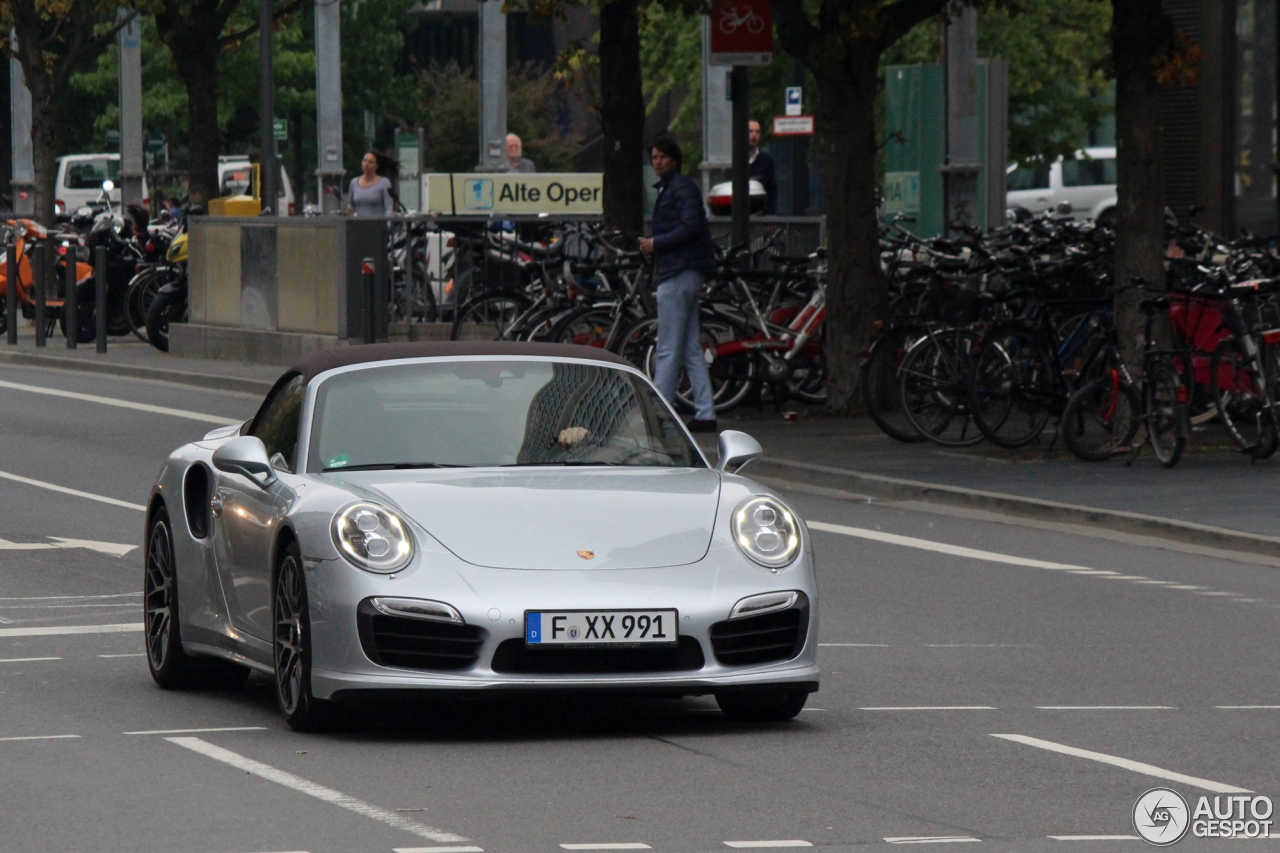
[[741, 33]]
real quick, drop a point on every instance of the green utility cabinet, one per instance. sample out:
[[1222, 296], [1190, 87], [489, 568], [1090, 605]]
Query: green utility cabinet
[[915, 124]]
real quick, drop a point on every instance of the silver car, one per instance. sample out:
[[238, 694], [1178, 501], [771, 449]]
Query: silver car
[[475, 517]]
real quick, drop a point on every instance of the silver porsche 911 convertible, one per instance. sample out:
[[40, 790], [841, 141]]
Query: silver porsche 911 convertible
[[471, 517]]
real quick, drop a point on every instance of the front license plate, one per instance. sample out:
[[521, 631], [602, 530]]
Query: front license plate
[[586, 628]]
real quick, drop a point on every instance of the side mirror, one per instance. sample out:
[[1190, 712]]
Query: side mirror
[[736, 450], [108, 185], [246, 456]]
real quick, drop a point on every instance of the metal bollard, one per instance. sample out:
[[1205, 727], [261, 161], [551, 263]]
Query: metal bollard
[[11, 292], [40, 269], [100, 295], [70, 302], [367, 268]]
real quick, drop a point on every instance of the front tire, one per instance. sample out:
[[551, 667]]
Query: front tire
[[166, 308], [762, 705], [171, 667], [292, 641]]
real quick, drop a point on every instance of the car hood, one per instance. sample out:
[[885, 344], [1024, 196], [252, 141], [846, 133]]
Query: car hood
[[558, 518]]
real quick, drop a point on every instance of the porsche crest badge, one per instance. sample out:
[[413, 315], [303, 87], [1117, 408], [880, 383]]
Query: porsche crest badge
[[587, 555]]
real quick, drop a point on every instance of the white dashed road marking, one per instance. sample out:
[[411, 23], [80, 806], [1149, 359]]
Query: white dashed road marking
[[42, 737], [198, 731], [437, 850], [623, 845], [932, 708], [1106, 707], [311, 789], [853, 645], [1094, 838], [794, 842], [932, 839], [123, 404], [71, 629], [5, 475], [24, 660], [1126, 764]]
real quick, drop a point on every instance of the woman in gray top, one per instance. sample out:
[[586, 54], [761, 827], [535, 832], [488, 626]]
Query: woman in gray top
[[370, 192]]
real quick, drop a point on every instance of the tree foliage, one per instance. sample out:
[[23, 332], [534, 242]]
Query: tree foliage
[[1058, 52], [55, 38], [448, 110]]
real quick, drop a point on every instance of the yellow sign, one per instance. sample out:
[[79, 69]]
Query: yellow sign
[[485, 194]]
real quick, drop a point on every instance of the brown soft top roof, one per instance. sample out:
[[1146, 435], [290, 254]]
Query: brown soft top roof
[[319, 361]]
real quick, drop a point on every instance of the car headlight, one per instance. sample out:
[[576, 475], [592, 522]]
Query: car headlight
[[373, 538], [767, 532]]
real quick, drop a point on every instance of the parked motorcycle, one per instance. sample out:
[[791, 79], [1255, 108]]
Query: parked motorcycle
[[28, 236], [170, 303]]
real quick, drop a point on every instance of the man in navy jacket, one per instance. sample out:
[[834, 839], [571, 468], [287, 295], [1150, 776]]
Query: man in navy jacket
[[685, 255]]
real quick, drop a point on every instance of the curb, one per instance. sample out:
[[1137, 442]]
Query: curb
[[215, 381], [878, 485]]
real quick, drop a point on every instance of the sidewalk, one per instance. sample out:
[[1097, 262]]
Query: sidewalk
[[1213, 498], [1209, 497], [131, 357]]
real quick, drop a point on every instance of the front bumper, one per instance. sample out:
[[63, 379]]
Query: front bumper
[[495, 600]]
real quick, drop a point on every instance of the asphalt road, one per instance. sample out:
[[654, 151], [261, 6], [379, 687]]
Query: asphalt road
[[984, 683]]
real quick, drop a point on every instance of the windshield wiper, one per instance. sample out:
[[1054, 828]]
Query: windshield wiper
[[393, 466]]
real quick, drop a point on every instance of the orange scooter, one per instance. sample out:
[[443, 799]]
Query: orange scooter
[[28, 235]]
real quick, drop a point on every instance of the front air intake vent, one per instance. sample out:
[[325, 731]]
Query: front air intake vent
[[769, 638], [410, 643], [513, 656]]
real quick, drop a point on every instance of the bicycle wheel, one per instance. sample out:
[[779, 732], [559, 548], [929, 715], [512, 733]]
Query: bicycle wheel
[[1166, 412], [808, 380], [489, 317], [931, 383], [1101, 418], [142, 291], [1012, 386], [732, 376], [1242, 406], [880, 387], [587, 326]]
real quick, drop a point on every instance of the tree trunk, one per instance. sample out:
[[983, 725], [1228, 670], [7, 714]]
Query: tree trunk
[[193, 32], [856, 295], [44, 148], [1138, 29], [622, 115], [204, 140]]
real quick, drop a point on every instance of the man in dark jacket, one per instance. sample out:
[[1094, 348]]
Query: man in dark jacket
[[760, 167], [685, 255]]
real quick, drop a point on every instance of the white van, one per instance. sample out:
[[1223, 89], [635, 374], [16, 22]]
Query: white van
[[1087, 182], [80, 178], [233, 179]]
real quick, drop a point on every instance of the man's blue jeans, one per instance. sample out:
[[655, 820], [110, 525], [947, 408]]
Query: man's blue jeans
[[679, 342]]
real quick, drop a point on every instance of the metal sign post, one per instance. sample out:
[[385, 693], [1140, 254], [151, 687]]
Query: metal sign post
[[328, 24], [493, 87], [741, 36], [11, 291], [70, 305], [131, 167]]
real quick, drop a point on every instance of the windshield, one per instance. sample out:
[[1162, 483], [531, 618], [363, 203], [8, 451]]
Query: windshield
[[89, 174], [493, 413]]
